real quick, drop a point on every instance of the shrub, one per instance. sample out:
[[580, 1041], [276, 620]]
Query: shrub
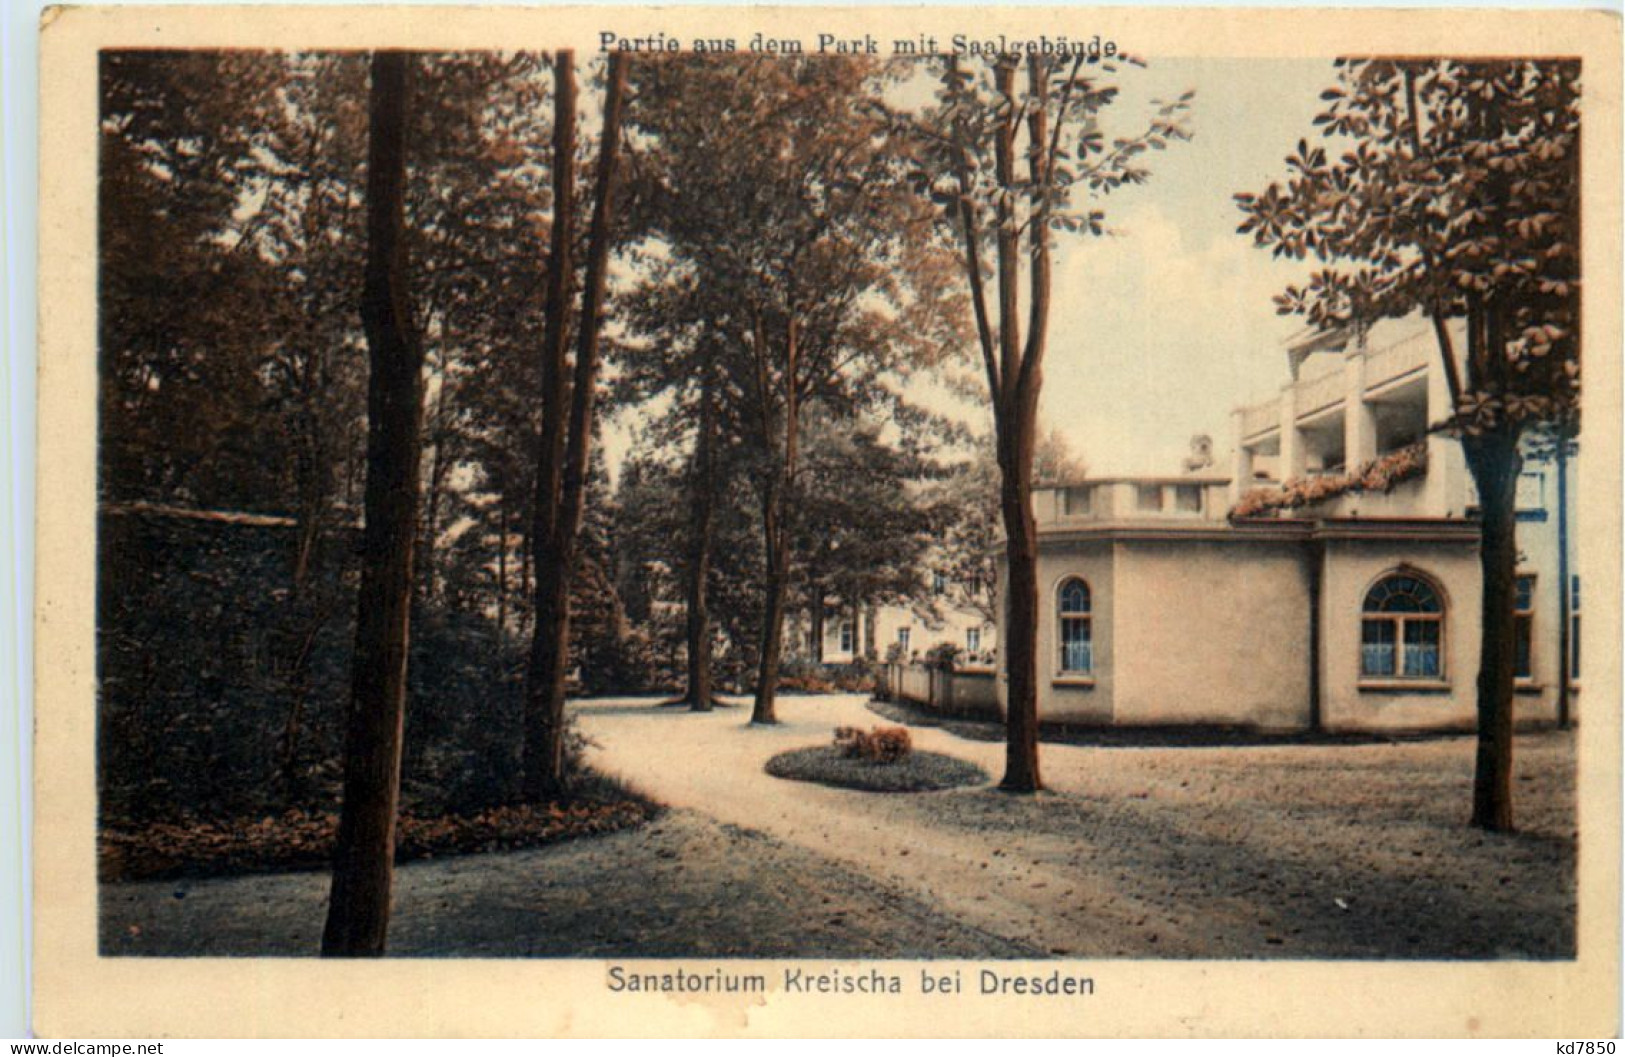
[[944, 656], [880, 745], [855, 678]]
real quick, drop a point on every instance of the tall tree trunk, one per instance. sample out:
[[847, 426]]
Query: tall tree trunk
[[549, 647], [526, 518], [431, 507], [1017, 428], [816, 594], [1495, 464], [1565, 601], [1021, 613], [502, 572], [780, 480], [358, 912], [567, 444], [698, 692], [778, 567]]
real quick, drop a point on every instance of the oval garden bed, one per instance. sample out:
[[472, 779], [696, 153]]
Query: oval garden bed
[[918, 772]]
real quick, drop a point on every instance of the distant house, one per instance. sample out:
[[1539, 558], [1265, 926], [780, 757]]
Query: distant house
[[1330, 581], [904, 631]]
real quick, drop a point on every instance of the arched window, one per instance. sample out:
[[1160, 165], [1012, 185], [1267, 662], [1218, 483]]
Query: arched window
[[1401, 629], [1076, 638]]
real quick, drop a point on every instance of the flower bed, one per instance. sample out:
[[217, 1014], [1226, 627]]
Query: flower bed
[[918, 772]]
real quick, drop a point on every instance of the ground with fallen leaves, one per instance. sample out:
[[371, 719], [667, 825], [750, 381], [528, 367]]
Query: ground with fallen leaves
[[298, 840]]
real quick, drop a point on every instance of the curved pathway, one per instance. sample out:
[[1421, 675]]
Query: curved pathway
[[1239, 851]]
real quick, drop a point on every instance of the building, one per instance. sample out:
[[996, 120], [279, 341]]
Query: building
[[903, 631], [1329, 581]]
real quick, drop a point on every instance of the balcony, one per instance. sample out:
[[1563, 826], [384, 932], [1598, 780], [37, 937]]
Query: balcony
[[1408, 358], [1318, 395], [1131, 499], [1259, 419]]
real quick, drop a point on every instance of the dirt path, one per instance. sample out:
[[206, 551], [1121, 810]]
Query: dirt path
[[683, 885], [1305, 851], [1302, 851]]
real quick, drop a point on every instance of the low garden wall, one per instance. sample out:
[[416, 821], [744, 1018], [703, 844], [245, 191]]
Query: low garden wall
[[972, 693]]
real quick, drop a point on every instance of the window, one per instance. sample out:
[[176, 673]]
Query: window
[[1188, 498], [1148, 496], [902, 639], [1531, 491], [1075, 501], [973, 640], [1077, 639], [846, 636], [939, 583], [1523, 628], [1402, 630]]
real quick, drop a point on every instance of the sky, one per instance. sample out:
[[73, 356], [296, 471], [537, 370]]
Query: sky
[[1158, 332]]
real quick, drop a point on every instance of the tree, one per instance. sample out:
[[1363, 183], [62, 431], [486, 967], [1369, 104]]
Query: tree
[[230, 264], [1457, 196], [968, 536], [1055, 464], [358, 911], [777, 189], [864, 520], [675, 351], [179, 395], [969, 162], [479, 208], [568, 396]]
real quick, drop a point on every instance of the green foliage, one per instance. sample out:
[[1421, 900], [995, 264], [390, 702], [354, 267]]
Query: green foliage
[[865, 518], [182, 329], [944, 656], [242, 715], [788, 287], [198, 722]]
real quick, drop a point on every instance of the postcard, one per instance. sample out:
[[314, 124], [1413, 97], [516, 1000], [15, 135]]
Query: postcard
[[746, 521]]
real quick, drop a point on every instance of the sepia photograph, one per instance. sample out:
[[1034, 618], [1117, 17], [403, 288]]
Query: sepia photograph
[[917, 509]]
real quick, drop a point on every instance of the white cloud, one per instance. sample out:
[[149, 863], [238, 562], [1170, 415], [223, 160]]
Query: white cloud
[[1153, 340]]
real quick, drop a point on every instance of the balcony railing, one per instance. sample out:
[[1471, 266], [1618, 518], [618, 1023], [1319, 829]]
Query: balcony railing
[[1316, 394], [1395, 361]]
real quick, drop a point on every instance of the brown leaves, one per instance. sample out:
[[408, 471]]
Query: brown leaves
[[880, 745], [1459, 198], [304, 840], [1379, 475]]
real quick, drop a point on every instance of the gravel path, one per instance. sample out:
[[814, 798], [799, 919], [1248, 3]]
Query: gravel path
[[1282, 851], [683, 885], [1287, 851]]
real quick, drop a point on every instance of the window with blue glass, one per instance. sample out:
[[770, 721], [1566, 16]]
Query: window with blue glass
[[1402, 630], [1077, 632]]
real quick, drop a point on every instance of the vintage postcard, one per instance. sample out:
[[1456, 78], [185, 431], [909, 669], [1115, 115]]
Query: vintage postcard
[[760, 522]]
